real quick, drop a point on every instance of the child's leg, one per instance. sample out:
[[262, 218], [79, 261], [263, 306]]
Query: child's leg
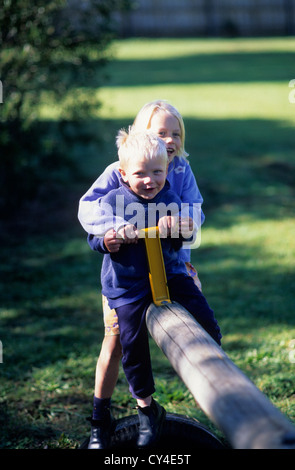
[[142, 402], [106, 376], [137, 367], [184, 291], [136, 360], [107, 367]]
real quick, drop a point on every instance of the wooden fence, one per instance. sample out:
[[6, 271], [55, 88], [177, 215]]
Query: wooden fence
[[156, 18]]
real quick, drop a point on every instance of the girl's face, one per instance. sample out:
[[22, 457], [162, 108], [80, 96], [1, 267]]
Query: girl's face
[[168, 129]]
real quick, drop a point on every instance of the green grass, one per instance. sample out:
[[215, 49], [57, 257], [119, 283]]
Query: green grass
[[233, 95]]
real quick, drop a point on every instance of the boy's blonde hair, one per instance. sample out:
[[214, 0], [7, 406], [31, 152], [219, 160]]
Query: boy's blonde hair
[[144, 117], [133, 145]]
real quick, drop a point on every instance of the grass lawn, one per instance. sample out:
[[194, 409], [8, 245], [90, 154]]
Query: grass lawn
[[233, 95]]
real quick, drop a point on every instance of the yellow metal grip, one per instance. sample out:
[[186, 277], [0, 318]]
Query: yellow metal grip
[[157, 272]]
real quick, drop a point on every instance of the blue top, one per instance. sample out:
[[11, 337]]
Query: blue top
[[124, 274], [180, 177]]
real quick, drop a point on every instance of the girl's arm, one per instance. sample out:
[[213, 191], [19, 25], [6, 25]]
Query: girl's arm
[[183, 182], [95, 218], [96, 244], [191, 194]]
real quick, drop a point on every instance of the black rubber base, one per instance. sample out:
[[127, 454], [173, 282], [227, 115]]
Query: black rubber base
[[179, 432]]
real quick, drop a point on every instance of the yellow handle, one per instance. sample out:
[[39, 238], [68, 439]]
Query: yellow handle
[[157, 272]]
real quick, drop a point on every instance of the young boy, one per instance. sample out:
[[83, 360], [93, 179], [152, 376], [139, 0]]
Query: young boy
[[124, 276]]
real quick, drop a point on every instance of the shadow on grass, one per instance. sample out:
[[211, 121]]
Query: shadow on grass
[[203, 68]]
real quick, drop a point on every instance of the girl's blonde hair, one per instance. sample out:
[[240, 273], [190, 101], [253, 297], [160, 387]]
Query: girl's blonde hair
[[144, 117], [139, 144]]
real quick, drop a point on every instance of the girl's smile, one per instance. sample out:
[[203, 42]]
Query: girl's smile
[[167, 127]]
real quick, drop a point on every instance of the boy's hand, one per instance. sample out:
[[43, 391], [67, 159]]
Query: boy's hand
[[111, 241], [168, 225], [128, 234], [186, 227]]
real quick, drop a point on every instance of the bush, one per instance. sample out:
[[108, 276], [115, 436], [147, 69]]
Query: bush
[[44, 46]]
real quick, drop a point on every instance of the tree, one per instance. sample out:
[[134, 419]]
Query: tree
[[45, 46]]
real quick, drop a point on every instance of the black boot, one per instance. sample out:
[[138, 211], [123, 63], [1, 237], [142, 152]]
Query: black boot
[[101, 433], [151, 420]]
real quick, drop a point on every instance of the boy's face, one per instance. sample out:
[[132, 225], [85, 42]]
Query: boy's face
[[146, 178], [168, 129]]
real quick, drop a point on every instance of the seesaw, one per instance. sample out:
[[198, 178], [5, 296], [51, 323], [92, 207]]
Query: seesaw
[[232, 402]]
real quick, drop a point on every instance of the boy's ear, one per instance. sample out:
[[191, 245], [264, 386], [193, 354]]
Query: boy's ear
[[123, 174]]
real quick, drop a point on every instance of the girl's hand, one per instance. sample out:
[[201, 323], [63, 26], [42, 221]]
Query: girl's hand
[[168, 225], [128, 234], [186, 227]]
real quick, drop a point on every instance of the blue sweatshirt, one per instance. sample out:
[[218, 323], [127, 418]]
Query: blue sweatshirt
[[180, 177], [124, 275]]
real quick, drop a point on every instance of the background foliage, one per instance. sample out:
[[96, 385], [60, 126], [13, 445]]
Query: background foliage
[[45, 46]]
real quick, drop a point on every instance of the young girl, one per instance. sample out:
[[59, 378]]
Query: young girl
[[164, 120]]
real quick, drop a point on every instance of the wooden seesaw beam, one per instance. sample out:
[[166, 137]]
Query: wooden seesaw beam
[[231, 401]]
